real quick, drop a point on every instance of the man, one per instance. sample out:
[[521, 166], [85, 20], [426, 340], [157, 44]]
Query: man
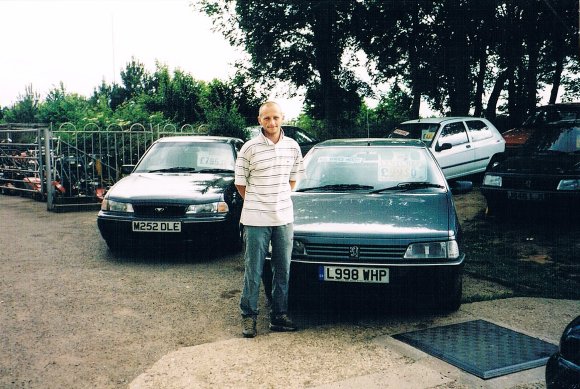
[[266, 171]]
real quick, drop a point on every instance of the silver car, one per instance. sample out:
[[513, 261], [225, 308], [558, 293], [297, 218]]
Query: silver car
[[376, 213], [462, 145]]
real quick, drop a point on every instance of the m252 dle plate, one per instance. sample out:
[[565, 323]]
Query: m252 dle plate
[[157, 226], [375, 275]]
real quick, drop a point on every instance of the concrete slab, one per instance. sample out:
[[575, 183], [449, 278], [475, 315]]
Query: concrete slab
[[350, 356]]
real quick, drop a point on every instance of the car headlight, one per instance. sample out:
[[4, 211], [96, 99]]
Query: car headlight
[[432, 250], [116, 206], [298, 248], [569, 185], [491, 180], [217, 207]]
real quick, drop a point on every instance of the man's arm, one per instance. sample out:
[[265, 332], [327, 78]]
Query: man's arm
[[242, 190], [292, 185]]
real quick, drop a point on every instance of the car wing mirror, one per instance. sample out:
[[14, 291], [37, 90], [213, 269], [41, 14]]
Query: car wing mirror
[[444, 146], [127, 169]]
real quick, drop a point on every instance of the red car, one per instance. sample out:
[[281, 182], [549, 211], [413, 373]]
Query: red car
[[547, 114]]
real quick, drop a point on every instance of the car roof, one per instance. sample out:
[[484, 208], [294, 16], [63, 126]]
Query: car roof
[[575, 106], [371, 142], [439, 120], [198, 138]]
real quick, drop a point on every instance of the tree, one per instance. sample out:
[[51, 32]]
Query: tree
[[25, 110], [60, 107], [302, 42]]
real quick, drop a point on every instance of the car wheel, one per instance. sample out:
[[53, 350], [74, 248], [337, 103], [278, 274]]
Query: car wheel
[[447, 292], [495, 159], [494, 209], [235, 238], [115, 246]]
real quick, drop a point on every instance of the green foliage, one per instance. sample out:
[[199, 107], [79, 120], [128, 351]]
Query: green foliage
[[60, 107], [226, 122], [25, 110]]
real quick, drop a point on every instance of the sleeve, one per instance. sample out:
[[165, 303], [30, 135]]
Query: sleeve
[[297, 171], [242, 167]]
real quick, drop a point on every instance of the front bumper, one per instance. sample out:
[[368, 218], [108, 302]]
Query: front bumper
[[119, 228]]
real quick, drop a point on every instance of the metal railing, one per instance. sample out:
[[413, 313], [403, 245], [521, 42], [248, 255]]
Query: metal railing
[[81, 164]]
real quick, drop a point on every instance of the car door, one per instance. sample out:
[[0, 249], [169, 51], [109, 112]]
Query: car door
[[484, 144], [457, 160]]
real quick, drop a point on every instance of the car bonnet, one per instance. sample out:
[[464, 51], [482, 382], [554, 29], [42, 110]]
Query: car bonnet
[[402, 215], [171, 187]]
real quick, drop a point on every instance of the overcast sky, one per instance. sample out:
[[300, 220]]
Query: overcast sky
[[82, 42]]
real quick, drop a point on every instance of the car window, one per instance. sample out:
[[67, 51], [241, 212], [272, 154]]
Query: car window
[[198, 156], [478, 130], [424, 131], [453, 133], [377, 167], [552, 115]]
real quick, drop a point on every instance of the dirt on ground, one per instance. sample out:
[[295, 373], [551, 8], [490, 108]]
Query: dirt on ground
[[73, 315]]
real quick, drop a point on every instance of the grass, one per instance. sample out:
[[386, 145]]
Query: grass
[[539, 258]]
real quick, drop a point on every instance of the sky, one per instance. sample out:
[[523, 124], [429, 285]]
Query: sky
[[83, 42]]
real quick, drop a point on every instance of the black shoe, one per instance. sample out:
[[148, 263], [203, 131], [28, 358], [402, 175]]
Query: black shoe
[[249, 327], [282, 323]]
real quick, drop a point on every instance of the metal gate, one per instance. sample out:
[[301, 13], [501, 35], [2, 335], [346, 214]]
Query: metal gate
[[80, 165]]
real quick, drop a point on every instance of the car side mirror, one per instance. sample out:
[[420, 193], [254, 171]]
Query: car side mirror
[[461, 187], [444, 146], [127, 169]]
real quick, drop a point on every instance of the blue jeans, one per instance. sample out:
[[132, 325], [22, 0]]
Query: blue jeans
[[257, 240]]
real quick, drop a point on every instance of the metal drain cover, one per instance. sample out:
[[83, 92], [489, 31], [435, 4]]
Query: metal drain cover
[[481, 348]]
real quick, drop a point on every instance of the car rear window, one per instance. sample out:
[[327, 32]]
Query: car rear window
[[478, 130]]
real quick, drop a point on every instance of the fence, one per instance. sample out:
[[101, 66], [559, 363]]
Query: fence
[[80, 165]]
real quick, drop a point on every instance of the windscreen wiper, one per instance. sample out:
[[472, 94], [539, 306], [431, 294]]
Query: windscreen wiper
[[177, 169], [215, 171], [338, 187], [409, 186]]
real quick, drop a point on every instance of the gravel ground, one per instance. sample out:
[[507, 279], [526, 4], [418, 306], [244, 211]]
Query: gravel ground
[[72, 315]]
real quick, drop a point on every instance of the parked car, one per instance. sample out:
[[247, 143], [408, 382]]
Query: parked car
[[304, 139], [563, 368], [547, 114], [376, 213], [463, 146], [181, 190], [544, 175]]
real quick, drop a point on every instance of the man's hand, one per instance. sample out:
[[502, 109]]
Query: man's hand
[[241, 190]]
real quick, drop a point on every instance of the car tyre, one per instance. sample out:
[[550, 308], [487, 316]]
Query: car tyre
[[447, 292]]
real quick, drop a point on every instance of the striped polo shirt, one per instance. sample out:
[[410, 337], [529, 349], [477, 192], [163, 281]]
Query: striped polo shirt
[[265, 169]]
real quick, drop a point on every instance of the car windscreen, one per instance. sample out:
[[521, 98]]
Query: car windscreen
[[561, 139], [368, 168], [187, 157], [423, 131]]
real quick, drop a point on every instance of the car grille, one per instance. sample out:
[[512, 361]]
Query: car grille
[[533, 183], [343, 252], [159, 211]]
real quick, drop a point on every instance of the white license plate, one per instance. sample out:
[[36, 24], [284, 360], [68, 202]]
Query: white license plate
[[143, 226], [525, 196], [376, 275]]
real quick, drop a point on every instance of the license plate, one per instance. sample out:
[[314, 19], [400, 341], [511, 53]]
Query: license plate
[[377, 275], [526, 196], [143, 226]]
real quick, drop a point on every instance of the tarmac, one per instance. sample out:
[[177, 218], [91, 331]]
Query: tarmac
[[334, 356]]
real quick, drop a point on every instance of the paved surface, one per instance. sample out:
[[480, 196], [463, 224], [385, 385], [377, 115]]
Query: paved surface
[[275, 360]]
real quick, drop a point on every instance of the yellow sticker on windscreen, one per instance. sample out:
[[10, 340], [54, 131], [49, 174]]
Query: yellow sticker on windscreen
[[427, 135]]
